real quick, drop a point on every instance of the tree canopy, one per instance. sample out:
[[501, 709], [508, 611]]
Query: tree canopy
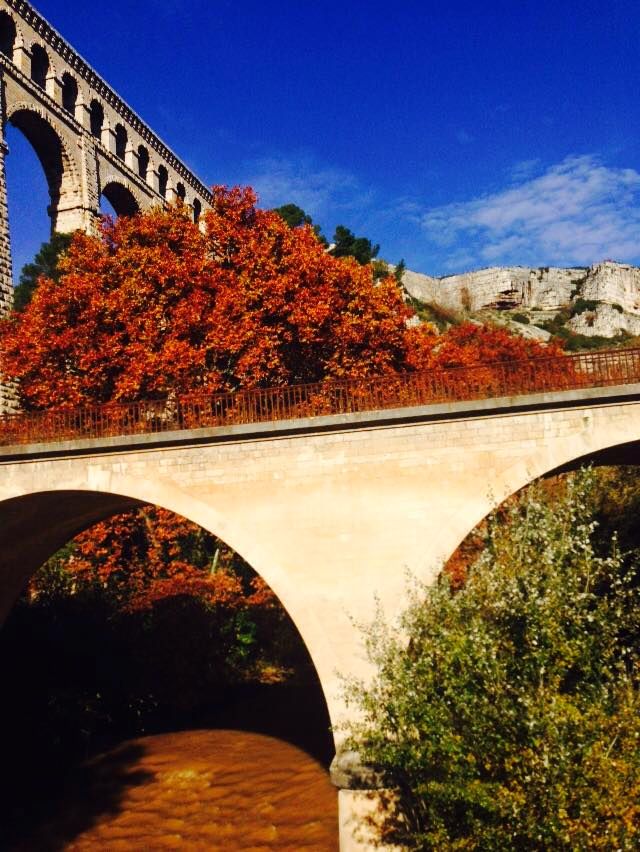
[[506, 714], [295, 217], [153, 306], [346, 244], [44, 265]]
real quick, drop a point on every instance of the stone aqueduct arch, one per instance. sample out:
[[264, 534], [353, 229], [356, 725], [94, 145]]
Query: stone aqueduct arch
[[88, 140]]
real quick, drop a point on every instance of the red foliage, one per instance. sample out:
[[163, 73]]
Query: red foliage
[[470, 344], [149, 554], [152, 307]]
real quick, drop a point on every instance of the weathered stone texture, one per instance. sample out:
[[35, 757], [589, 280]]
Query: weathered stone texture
[[614, 283], [507, 287], [614, 286]]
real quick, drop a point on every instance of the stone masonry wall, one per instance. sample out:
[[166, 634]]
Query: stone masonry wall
[[8, 397]]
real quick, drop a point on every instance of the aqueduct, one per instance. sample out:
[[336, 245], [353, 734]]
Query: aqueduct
[[89, 141]]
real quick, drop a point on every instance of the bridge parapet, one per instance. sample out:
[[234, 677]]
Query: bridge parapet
[[509, 381]]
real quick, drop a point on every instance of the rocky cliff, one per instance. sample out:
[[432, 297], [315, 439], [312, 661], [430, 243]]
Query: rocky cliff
[[602, 300]]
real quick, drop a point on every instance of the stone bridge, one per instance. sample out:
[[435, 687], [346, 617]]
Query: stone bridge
[[89, 141], [330, 510]]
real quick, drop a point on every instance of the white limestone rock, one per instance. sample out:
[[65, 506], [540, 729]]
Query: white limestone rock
[[498, 287], [615, 284], [614, 287], [605, 320]]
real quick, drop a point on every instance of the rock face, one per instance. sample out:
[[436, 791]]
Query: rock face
[[613, 288]]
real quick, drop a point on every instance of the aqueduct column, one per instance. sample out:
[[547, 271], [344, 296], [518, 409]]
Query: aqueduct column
[[8, 400]]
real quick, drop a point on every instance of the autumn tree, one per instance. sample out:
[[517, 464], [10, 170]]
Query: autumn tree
[[148, 554], [153, 306]]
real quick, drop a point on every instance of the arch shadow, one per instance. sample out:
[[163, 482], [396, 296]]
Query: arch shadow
[[121, 199], [626, 453]]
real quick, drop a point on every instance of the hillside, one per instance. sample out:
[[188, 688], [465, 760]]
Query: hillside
[[585, 306]]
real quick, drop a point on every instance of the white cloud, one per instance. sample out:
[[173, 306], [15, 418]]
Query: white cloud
[[575, 212], [300, 180]]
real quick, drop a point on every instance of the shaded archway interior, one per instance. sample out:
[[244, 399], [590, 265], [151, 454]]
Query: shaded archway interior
[[121, 199], [620, 454], [35, 526], [32, 528], [48, 148]]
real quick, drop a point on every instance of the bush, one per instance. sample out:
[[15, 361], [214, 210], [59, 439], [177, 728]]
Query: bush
[[580, 306], [510, 718]]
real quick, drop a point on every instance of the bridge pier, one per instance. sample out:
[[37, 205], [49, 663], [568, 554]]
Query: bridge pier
[[359, 811], [6, 267], [8, 393]]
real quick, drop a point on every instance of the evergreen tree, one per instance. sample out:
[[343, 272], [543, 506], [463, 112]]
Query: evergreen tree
[[295, 217], [346, 244], [45, 264]]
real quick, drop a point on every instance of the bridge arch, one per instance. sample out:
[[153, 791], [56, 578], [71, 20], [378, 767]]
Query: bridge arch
[[121, 198], [121, 140], [143, 162], [69, 93], [33, 526], [8, 34], [40, 65], [96, 118], [58, 166], [163, 181], [602, 444]]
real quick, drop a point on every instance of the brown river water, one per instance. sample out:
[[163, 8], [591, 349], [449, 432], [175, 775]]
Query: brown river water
[[200, 790]]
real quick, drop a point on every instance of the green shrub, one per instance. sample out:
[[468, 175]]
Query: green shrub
[[523, 318], [507, 715], [581, 305]]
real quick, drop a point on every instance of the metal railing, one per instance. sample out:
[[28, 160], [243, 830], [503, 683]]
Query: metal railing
[[259, 405]]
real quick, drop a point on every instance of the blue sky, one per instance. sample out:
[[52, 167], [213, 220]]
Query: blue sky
[[456, 134]]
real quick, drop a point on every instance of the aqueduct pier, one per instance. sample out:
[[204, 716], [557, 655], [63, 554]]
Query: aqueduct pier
[[89, 141], [330, 510]]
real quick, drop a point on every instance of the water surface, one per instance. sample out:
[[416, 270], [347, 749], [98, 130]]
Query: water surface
[[201, 790]]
